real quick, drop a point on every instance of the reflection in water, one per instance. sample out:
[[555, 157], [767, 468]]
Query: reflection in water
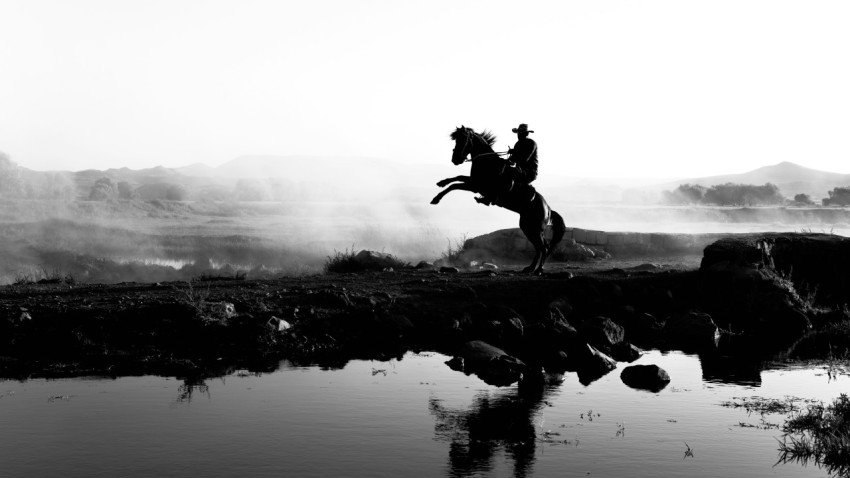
[[735, 370], [496, 421], [189, 387]]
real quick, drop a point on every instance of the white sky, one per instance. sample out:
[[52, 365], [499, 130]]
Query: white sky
[[612, 88]]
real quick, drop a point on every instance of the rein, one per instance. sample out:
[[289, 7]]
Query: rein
[[497, 153]]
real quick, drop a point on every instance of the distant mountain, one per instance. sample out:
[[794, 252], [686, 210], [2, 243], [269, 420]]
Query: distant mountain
[[790, 178]]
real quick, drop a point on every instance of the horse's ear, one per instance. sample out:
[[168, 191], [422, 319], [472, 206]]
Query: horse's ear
[[462, 127]]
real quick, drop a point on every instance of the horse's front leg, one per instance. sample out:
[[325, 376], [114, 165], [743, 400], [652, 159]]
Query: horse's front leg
[[453, 187], [448, 181]]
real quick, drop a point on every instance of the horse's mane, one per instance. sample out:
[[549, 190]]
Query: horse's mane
[[487, 136]]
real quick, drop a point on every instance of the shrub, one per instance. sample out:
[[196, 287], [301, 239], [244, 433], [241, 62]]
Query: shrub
[[103, 190], [838, 197]]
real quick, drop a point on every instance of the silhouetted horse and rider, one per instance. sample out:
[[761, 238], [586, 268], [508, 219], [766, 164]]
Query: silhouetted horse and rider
[[505, 183]]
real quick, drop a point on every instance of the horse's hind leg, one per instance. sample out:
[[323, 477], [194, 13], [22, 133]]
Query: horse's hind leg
[[533, 230]]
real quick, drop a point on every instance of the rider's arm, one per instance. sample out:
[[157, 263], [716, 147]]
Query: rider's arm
[[525, 166]]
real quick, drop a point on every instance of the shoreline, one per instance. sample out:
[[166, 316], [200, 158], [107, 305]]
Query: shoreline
[[201, 327]]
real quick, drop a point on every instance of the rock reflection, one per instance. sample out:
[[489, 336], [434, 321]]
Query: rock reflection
[[502, 420], [735, 370]]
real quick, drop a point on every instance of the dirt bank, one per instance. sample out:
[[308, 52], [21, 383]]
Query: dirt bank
[[208, 327]]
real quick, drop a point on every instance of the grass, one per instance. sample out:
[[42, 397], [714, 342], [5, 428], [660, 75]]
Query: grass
[[820, 435], [454, 251], [763, 405], [219, 276], [43, 276], [347, 261], [205, 310]]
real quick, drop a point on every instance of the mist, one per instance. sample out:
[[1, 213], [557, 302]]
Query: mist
[[266, 216]]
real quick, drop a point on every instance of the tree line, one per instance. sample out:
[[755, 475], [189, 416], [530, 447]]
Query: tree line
[[732, 194]]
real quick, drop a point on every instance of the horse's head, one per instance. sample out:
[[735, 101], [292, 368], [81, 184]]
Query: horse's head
[[468, 142], [463, 144]]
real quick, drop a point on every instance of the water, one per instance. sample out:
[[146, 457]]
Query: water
[[413, 417]]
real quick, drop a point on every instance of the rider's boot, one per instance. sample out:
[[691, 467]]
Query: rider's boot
[[486, 200]]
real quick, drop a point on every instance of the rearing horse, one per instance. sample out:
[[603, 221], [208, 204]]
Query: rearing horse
[[488, 177]]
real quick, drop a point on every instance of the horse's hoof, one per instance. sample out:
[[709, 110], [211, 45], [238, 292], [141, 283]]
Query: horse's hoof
[[442, 183], [435, 201]]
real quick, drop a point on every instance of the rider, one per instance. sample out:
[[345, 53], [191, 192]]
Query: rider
[[523, 159]]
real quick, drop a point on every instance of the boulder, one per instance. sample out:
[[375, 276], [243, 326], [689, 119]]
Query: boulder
[[692, 332], [768, 284], [591, 364], [625, 352], [645, 377], [499, 325], [491, 364], [372, 260], [601, 332], [645, 329]]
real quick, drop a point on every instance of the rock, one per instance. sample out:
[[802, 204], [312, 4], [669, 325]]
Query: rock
[[692, 332], [456, 364], [449, 270], [279, 324], [561, 307], [399, 324], [227, 309], [498, 325], [625, 352], [373, 260], [425, 265], [591, 364], [645, 377], [601, 332], [557, 361], [489, 266], [491, 364], [767, 284]]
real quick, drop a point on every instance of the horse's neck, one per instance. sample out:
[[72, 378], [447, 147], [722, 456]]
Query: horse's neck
[[482, 149], [486, 164]]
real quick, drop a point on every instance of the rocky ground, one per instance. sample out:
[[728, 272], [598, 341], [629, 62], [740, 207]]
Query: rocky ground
[[760, 297]]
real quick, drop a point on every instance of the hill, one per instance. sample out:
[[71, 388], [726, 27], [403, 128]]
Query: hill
[[790, 178]]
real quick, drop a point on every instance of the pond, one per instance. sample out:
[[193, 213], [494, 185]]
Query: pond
[[412, 417]]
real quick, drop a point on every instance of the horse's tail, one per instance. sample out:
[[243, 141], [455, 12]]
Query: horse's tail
[[559, 228]]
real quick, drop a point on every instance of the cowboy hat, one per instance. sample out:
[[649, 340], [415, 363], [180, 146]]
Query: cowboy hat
[[523, 128]]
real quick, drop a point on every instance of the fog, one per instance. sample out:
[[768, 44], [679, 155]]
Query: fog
[[269, 216], [144, 242]]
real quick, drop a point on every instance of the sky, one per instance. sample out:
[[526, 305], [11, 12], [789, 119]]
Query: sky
[[611, 88]]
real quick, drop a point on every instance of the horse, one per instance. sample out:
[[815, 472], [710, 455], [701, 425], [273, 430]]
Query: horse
[[489, 176]]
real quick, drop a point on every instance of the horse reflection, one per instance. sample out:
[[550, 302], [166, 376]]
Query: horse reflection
[[187, 390], [495, 421]]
